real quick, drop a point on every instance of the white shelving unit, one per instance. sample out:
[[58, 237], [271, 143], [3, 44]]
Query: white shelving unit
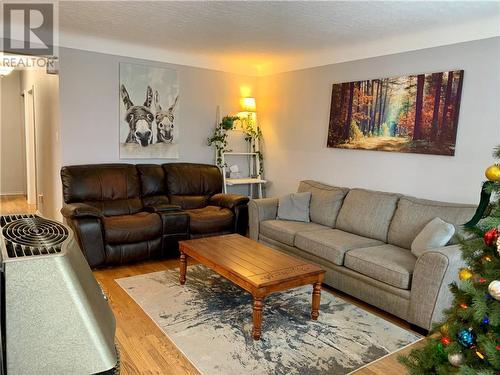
[[254, 166]]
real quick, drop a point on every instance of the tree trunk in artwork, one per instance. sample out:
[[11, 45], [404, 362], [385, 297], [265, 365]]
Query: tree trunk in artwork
[[456, 106], [358, 94], [383, 105], [374, 107], [367, 109], [417, 130], [447, 98], [438, 79], [347, 125]]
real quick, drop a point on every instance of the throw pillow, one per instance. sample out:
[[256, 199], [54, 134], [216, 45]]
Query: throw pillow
[[294, 207], [435, 234]]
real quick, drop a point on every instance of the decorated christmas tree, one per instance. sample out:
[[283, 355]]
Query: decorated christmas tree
[[468, 340]]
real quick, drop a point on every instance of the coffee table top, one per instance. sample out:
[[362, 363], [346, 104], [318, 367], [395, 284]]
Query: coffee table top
[[235, 256]]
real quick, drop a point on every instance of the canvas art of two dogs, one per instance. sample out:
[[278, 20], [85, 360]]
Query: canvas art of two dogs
[[140, 119]]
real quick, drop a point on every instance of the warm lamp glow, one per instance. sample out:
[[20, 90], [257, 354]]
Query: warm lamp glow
[[248, 104]]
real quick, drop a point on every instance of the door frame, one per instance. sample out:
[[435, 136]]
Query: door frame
[[30, 139]]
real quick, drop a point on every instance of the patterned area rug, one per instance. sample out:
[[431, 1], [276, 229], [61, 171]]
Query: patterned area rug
[[210, 321]]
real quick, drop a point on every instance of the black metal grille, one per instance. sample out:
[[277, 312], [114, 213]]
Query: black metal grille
[[31, 235]]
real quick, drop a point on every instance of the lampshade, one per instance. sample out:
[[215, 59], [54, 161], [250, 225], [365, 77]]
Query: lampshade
[[248, 104]]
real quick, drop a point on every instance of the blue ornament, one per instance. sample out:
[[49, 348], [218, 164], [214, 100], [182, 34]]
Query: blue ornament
[[466, 337], [486, 320]]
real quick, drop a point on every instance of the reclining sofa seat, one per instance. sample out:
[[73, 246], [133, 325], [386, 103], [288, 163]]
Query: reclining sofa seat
[[363, 239], [197, 189], [122, 213]]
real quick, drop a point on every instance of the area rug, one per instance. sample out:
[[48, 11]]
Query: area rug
[[210, 320]]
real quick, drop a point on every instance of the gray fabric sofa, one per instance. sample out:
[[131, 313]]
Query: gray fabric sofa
[[362, 238]]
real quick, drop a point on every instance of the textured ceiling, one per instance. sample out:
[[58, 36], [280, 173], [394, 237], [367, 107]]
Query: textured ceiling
[[262, 32]]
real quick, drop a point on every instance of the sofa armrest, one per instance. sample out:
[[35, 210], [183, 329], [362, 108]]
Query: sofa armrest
[[90, 237], [260, 210], [79, 210], [228, 200], [162, 208], [434, 271]]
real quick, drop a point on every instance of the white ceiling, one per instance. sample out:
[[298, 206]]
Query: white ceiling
[[270, 36]]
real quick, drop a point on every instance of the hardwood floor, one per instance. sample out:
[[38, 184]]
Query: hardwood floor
[[146, 350], [15, 204]]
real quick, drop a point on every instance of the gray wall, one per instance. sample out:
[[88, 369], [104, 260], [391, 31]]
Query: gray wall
[[12, 142], [47, 141], [294, 112], [90, 107]]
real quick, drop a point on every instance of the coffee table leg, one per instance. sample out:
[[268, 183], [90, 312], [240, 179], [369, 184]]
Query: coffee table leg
[[182, 267], [316, 298], [257, 318]]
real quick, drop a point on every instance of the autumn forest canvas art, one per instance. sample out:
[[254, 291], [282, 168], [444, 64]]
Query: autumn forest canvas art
[[414, 113]]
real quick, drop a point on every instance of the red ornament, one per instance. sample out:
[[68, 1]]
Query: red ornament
[[491, 236], [498, 347], [482, 280], [445, 340]]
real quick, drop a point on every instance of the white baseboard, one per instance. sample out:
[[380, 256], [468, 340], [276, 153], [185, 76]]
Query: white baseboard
[[13, 193]]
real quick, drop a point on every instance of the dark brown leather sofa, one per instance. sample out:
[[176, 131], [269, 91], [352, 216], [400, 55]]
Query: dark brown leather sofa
[[122, 213]]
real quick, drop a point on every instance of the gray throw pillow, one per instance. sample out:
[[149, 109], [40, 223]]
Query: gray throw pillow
[[294, 207], [436, 233]]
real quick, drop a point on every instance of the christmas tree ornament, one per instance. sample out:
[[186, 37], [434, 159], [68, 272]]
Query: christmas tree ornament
[[456, 359], [498, 347], [492, 173], [445, 340], [491, 237], [463, 306], [486, 320], [482, 280], [494, 289], [465, 274], [479, 354], [466, 337], [486, 258], [444, 329]]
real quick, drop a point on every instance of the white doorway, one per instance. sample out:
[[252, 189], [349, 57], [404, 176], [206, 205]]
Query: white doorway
[[30, 139]]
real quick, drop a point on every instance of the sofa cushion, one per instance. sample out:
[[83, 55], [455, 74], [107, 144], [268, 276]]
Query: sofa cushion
[[139, 227], [413, 214], [114, 189], [325, 203], [367, 213], [295, 207], [284, 231], [210, 219], [153, 184], [332, 244], [389, 264], [436, 233]]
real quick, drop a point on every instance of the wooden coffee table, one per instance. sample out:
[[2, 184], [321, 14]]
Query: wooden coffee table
[[254, 267]]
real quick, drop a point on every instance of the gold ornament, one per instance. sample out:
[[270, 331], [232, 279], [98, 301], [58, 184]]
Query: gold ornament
[[494, 289], [444, 329], [465, 274], [492, 173], [487, 258]]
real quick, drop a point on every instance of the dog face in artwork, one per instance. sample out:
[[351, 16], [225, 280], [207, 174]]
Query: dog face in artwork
[[164, 120], [139, 118]]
